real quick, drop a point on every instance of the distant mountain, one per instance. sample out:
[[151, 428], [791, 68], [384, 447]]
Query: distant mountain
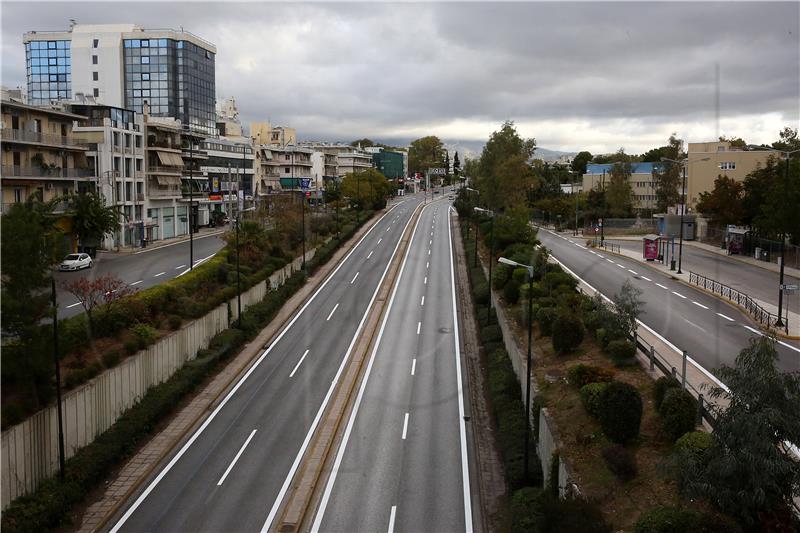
[[469, 149], [550, 155]]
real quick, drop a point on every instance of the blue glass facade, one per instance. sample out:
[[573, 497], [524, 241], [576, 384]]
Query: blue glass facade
[[175, 78], [49, 69]]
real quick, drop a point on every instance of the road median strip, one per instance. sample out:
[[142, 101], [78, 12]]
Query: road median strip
[[309, 477]]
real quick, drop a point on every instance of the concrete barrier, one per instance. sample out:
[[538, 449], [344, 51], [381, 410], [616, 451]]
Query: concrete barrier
[[30, 448]]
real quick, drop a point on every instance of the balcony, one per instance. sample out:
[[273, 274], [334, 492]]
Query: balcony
[[16, 171], [173, 191], [164, 145], [153, 169], [38, 138]]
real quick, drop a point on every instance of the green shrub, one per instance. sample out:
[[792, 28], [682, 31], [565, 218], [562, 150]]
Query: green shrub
[[511, 292], [145, 335], [491, 333], [226, 342], [694, 442], [665, 519], [590, 397], [602, 337], [500, 276], [131, 346], [111, 358], [620, 412], [520, 275], [93, 369], [174, 322], [622, 352], [568, 331], [481, 293], [662, 385], [581, 374], [621, 462], [523, 502], [545, 316], [678, 413], [569, 515]]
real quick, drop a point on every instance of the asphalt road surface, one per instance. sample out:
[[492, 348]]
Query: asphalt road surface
[[232, 473], [712, 331], [140, 270], [757, 282], [403, 464]]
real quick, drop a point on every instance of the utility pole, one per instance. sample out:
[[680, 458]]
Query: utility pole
[[602, 218], [191, 203], [61, 456]]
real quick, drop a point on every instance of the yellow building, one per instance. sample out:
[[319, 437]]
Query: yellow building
[[40, 155], [708, 160]]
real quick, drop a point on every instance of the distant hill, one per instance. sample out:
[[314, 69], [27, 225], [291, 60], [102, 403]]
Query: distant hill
[[468, 149]]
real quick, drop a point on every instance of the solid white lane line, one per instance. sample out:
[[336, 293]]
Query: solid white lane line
[[221, 405], [197, 262], [760, 334], [73, 305], [351, 422], [662, 286], [426, 280], [405, 426], [159, 274], [462, 424], [419, 325], [423, 301], [370, 254], [137, 282], [679, 294], [335, 307], [729, 319], [391, 518], [413, 366], [236, 458], [699, 304], [180, 267], [633, 272], [379, 240], [646, 278], [300, 362], [354, 278]]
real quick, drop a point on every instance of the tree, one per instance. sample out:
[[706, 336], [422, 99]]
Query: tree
[[723, 205], [667, 177], [367, 189], [736, 142], [447, 166], [104, 290], [364, 143], [619, 193], [504, 175], [770, 201], [456, 165], [424, 153], [789, 140], [91, 217], [749, 471], [580, 161]]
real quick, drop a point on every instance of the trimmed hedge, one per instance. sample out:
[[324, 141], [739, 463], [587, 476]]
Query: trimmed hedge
[[620, 412], [590, 397], [511, 292], [546, 316], [622, 352], [535, 510], [662, 385], [581, 374], [678, 413], [694, 442], [568, 331], [491, 334]]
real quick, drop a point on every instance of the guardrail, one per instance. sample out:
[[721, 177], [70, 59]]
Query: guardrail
[[763, 316]]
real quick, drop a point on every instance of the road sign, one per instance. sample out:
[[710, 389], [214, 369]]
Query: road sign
[[790, 287], [305, 183], [437, 172]]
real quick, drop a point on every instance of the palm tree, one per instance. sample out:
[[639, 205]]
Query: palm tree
[[91, 217]]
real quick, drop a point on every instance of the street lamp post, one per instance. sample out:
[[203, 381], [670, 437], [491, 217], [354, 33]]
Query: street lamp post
[[61, 456], [602, 219], [238, 271], [529, 269], [786, 155], [490, 214]]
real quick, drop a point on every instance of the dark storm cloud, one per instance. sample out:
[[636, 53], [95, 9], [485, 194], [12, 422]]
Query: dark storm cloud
[[340, 71]]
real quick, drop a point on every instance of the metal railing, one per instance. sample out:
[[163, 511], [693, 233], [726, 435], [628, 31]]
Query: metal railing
[[605, 245], [764, 317], [9, 171], [10, 135]]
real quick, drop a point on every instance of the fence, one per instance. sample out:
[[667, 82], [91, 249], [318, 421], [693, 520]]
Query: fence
[[764, 317], [770, 249], [30, 449]]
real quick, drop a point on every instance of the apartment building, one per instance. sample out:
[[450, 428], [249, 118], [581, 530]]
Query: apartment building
[[231, 172], [641, 180], [353, 161], [126, 66], [708, 160], [323, 168], [389, 163], [166, 218]]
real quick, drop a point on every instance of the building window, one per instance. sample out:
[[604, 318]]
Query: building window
[[95, 76], [287, 170], [96, 92], [95, 43], [727, 166], [17, 196], [94, 60]]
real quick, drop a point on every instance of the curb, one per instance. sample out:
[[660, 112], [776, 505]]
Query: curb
[[245, 366]]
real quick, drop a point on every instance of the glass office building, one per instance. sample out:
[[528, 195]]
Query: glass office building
[[176, 79], [49, 69]]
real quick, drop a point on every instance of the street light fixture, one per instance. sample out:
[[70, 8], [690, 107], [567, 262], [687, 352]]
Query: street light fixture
[[684, 197], [529, 269], [490, 214], [786, 155], [238, 271]]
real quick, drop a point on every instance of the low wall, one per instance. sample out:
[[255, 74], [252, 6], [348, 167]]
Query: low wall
[[30, 449]]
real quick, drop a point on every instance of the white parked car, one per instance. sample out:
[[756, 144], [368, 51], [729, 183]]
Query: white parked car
[[76, 262]]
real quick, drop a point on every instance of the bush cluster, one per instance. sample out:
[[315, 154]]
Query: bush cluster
[[620, 412], [667, 519], [535, 510], [662, 385], [678, 413], [622, 352], [568, 331], [591, 394], [581, 374]]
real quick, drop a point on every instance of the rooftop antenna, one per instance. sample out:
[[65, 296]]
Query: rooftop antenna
[[72, 23]]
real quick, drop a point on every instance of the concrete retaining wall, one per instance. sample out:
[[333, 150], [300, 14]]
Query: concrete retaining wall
[[30, 449]]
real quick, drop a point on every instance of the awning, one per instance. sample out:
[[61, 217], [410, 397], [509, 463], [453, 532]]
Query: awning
[[168, 180], [169, 159]]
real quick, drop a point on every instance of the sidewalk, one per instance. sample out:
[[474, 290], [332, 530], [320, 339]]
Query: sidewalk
[[793, 318], [139, 467], [202, 232]]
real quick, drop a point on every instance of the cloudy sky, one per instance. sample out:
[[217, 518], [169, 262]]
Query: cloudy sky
[[575, 76]]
